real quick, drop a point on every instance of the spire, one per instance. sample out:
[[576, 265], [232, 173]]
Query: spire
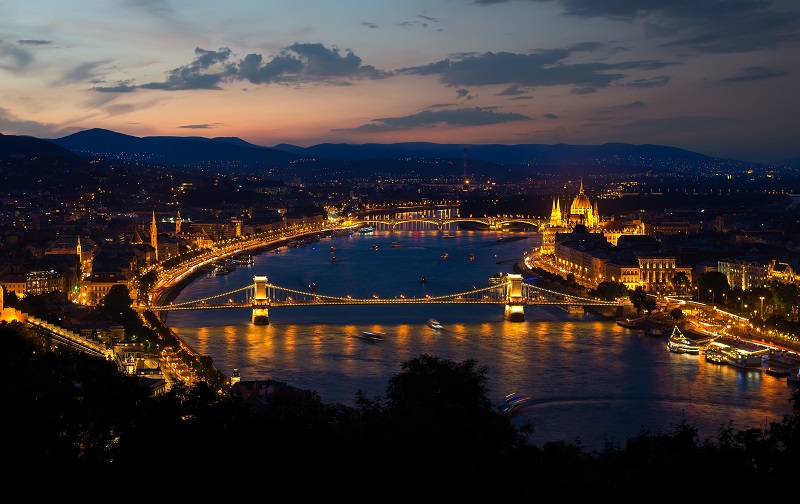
[[581, 189], [178, 223], [154, 236]]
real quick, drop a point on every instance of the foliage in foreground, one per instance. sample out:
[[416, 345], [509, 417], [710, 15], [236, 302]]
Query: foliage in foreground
[[74, 426]]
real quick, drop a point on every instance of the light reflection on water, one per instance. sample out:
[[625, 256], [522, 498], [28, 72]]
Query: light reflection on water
[[588, 377]]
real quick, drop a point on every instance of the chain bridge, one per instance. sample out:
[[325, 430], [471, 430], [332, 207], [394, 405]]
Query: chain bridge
[[511, 291]]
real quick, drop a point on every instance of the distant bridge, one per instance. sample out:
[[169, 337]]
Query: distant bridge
[[491, 223], [509, 290]]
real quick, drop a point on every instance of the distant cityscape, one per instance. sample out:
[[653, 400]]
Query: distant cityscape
[[76, 226]]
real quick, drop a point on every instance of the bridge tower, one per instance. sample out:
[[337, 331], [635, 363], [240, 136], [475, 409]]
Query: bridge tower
[[260, 301], [515, 302]]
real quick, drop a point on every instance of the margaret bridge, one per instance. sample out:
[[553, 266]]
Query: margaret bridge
[[510, 290]]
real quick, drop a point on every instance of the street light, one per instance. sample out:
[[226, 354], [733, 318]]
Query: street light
[[710, 291], [762, 306]]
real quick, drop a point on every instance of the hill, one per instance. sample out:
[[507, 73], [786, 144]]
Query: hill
[[402, 160]]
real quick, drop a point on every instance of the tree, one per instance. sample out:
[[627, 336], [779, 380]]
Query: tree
[[611, 291], [642, 301], [681, 283], [116, 302], [712, 285]]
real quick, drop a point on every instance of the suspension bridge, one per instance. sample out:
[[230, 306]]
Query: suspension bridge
[[510, 290]]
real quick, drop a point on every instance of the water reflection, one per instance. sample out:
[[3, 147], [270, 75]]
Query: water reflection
[[587, 377]]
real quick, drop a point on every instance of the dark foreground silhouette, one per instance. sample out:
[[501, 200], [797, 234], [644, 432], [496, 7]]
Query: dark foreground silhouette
[[74, 427]]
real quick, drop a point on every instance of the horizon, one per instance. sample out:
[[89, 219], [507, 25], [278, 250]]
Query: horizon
[[712, 79]]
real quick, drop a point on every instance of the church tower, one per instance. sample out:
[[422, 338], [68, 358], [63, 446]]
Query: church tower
[[154, 235], [555, 213], [178, 223], [78, 250]]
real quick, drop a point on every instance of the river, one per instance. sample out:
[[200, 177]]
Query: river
[[589, 378]]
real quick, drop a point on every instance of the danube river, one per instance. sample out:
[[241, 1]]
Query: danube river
[[588, 378]]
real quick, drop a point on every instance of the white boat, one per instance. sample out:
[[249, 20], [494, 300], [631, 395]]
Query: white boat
[[371, 335], [366, 229], [679, 343], [434, 324]]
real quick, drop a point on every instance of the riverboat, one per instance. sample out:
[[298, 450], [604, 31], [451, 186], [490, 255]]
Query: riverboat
[[717, 353], [743, 360], [793, 378], [333, 249], [396, 245], [445, 255], [472, 257], [434, 324], [371, 335], [678, 343], [423, 279], [334, 259], [312, 287], [366, 229]]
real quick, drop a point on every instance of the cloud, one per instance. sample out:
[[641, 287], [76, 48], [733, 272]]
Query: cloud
[[198, 126], [649, 83], [82, 72], [369, 24], [753, 74], [300, 62], [703, 26], [121, 87], [550, 116], [549, 67], [207, 71], [29, 42], [478, 116], [14, 59], [512, 90], [10, 124], [463, 94]]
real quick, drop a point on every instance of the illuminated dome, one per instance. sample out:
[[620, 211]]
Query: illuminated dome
[[581, 204]]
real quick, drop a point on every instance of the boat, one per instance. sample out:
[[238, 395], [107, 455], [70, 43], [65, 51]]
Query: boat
[[423, 279], [312, 287], [794, 378], [445, 255], [679, 343], [334, 259], [513, 402], [497, 278], [371, 335], [744, 360], [366, 229], [396, 245], [333, 249], [716, 355], [434, 324], [472, 257], [222, 269], [779, 371], [448, 235], [235, 378], [374, 247]]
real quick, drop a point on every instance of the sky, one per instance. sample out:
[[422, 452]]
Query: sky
[[718, 77]]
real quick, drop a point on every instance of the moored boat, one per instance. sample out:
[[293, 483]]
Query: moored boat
[[743, 360], [679, 343], [396, 245]]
